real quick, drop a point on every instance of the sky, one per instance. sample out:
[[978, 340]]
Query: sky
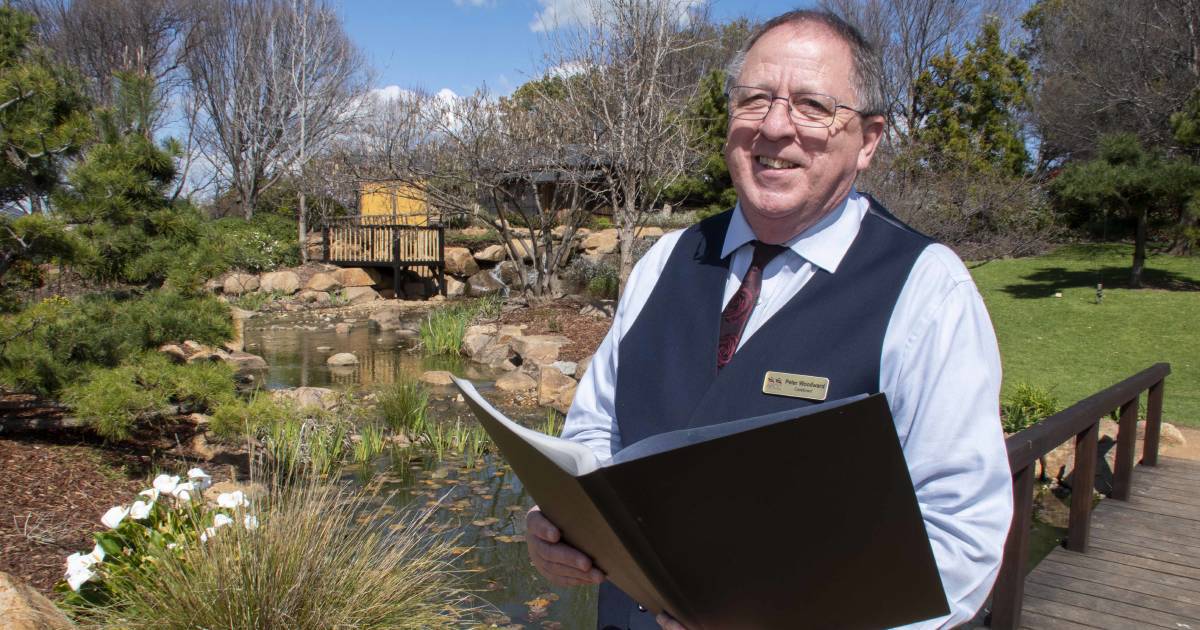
[[460, 45]]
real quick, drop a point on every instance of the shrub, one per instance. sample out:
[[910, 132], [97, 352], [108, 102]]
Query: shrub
[[242, 418], [110, 401], [1026, 406], [598, 278], [443, 329], [305, 562], [264, 243]]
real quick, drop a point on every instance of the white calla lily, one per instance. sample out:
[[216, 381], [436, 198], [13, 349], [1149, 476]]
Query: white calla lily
[[221, 520], [140, 510], [199, 478], [114, 516], [76, 579], [250, 521], [97, 554], [184, 491], [235, 499], [150, 493], [209, 532], [166, 483], [77, 562]]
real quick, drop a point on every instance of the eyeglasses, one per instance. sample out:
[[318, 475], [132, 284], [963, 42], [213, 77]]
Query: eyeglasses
[[807, 109]]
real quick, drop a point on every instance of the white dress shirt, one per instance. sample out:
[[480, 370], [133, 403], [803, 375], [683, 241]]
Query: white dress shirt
[[940, 369]]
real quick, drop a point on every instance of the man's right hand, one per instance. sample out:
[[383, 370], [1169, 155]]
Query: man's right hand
[[558, 562]]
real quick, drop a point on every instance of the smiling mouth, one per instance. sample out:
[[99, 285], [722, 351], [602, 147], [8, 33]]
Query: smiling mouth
[[775, 163]]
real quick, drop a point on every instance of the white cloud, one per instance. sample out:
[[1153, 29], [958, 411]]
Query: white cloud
[[556, 14], [568, 69], [446, 95], [389, 93]]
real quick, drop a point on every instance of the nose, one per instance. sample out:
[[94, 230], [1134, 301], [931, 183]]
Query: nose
[[778, 123]]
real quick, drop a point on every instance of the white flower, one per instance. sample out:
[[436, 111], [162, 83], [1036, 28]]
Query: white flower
[[200, 478], [76, 578], [151, 493], [77, 562], [250, 521], [97, 554], [114, 516], [172, 545], [221, 520], [140, 510], [166, 483], [184, 491], [233, 499], [209, 532]]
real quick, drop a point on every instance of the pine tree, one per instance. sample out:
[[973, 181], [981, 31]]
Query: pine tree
[[710, 188]]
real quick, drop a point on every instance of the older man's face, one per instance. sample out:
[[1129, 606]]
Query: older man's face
[[787, 176]]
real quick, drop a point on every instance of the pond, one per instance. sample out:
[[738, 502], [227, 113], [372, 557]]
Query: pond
[[481, 502]]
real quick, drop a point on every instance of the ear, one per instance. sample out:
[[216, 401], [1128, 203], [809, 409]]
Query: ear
[[872, 133]]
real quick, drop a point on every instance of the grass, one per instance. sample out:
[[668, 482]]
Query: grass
[[318, 559], [404, 405], [1075, 347], [443, 329]]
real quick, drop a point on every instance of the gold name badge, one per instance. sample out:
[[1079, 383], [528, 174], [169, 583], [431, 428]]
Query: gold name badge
[[796, 385]]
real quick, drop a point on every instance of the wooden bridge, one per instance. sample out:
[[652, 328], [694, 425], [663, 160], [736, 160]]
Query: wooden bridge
[[376, 241], [1132, 561]]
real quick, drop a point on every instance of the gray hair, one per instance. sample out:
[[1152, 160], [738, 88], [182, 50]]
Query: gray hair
[[868, 68]]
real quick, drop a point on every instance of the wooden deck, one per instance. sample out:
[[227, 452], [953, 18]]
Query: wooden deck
[[1142, 565]]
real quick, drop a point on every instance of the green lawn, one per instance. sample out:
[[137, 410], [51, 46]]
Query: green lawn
[[1078, 347]]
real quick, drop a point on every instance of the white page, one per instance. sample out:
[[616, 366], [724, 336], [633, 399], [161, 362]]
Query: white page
[[572, 457]]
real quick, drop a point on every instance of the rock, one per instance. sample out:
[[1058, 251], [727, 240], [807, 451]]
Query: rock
[[323, 282], [473, 343], [459, 261], [239, 283], [539, 349], [23, 608], [482, 329], [523, 247], [199, 448], [324, 348], [239, 317], [176, 353], [387, 318], [491, 254], [320, 397], [342, 328], [212, 285], [342, 358], [649, 232], [1168, 435], [285, 282], [353, 277], [555, 389], [455, 287], [601, 310], [251, 491], [360, 295], [601, 242], [483, 283], [566, 367], [436, 377], [198, 419], [511, 274], [496, 355], [192, 347], [515, 382], [508, 331], [246, 361], [314, 297]]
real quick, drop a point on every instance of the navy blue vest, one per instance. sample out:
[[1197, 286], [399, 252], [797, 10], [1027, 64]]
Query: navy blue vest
[[667, 377]]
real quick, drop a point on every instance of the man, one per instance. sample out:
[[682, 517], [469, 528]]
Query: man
[[851, 294]]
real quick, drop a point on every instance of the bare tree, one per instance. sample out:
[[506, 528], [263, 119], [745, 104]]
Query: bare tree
[[274, 78], [630, 80]]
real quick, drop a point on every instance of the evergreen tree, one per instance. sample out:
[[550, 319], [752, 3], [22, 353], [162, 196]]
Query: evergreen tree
[[43, 118], [1127, 180], [1185, 125], [710, 187], [970, 107]]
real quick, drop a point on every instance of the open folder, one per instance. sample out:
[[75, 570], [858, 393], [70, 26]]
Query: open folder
[[804, 518]]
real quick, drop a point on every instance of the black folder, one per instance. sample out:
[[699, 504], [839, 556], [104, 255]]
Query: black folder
[[804, 518]]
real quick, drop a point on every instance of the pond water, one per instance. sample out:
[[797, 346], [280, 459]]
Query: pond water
[[481, 503]]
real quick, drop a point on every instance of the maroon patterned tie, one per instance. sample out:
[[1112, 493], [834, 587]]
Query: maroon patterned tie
[[737, 312]]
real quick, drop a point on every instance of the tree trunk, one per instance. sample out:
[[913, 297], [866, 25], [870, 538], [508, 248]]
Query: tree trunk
[[303, 229], [1139, 251]]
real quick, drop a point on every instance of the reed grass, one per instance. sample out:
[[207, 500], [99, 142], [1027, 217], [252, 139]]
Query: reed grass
[[404, 405], [370, 444]]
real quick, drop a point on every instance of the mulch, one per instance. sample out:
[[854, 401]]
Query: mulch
[[562, 317], [53, 491]]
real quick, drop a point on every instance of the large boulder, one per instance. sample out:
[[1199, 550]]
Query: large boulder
[[323, 282], [523, 248], [285, 282], [510, 274], [436, 377], [649, 231], [313, 297], [474, 342], [245, 361], [239, 317], [1169, 434], [342, 358], [353, 277], [239, 283], [320, 397], [601, 242], [387, 318], [459, 261], [538, 349], [455, 287], [483, 283], [555, 389], [23, 608], [515, 382], [491, 254], [360, 295]]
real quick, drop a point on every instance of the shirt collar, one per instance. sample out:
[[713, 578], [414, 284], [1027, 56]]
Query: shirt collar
[[824, 244]]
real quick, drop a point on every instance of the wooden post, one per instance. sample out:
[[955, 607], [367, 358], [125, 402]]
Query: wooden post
[[397, 289], [1126, 442], [441, 261], [1153, 424], [1083, 483], [1010, 584], [325, 241]]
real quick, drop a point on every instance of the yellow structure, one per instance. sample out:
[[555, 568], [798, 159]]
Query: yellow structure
[[392, 202]]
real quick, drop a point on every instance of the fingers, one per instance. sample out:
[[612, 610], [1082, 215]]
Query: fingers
[[558, 562], [667, 623]]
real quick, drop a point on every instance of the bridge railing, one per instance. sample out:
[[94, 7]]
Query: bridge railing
[[1081, 421], [353, 240]]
